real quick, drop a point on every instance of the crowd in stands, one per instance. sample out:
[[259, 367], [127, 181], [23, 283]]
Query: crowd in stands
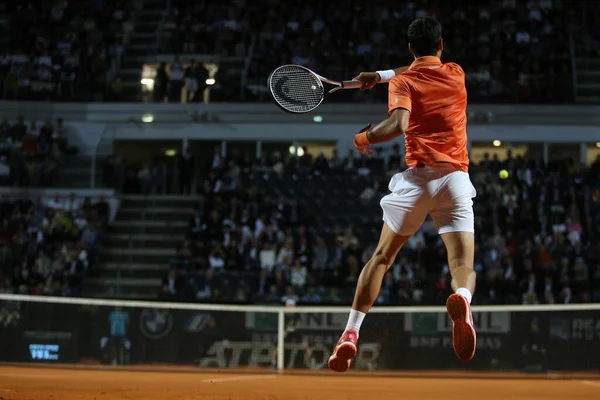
[[47, 245], [60, 50], [31, 152], [537, 235], [512, 51]]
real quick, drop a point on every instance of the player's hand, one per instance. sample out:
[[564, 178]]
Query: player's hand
[[369, 79], [365, 151], [361, 144]]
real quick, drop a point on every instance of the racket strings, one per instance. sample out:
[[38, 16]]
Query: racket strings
[[296, 89]]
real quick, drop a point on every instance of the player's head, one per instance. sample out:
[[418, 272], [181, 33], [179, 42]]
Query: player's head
[[425, 37]]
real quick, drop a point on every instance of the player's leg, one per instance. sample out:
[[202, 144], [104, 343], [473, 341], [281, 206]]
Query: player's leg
[[367, 290], [403, 213], [453, 215], [460, 248], [114, 347], [371, 277]]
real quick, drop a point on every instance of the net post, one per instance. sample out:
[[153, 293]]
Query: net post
[[280, 340]]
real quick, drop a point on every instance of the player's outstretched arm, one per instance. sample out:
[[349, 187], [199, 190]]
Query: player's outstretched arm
[[388, 129], [370, 79]]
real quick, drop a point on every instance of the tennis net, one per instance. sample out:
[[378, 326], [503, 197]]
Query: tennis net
[[510, 338]]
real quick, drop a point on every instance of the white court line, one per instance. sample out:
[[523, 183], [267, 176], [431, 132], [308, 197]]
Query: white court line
[[239, 378], [27, 376], [590, 383]]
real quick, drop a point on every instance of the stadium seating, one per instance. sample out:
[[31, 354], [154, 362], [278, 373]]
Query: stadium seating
[[511, 51], [303, 229], [38, 154], [60, 50], [47, 245]]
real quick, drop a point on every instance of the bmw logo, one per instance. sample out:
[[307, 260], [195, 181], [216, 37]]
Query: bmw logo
[[156, 324]]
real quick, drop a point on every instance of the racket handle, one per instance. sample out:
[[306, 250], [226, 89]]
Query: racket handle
[[352, 84], [347, 85]]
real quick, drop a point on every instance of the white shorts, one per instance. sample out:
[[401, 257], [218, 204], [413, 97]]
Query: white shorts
[[442, 192]]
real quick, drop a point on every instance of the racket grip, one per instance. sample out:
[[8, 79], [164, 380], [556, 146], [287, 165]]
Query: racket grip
[[347, 85], [352, 84]]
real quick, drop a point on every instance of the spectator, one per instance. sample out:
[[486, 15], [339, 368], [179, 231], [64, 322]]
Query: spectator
[[161, 82], [31, 153], [298, 276], [60, 51], [43, 251], [171, 286], [186, 171], [264, 239], [191, 82], [175, 80], [511, 51]]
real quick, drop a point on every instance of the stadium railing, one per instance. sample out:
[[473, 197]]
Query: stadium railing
[[536, 338]]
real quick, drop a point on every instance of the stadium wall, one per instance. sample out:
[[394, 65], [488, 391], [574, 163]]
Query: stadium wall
[[93, 127], [517, 114], [88, 136]]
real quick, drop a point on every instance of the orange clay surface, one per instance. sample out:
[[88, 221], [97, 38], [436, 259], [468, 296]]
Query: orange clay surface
[[41, 383]]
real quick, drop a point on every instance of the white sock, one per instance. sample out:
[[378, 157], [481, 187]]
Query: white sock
[[464, 292], [355, 320]]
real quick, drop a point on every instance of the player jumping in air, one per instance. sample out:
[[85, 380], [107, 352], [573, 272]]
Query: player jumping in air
[[427, 104]]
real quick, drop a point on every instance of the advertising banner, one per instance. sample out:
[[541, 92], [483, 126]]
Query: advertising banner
[[59, 333]]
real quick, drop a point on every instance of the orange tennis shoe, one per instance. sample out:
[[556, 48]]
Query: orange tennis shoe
[[344, 352], [464, 338]]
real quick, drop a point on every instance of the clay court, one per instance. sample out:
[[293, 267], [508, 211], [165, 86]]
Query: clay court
[[41, 383]]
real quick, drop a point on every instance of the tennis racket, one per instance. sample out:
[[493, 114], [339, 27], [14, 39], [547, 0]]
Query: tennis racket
[[299, 90]]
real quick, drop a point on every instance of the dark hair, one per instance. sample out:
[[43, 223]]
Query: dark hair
[[424, 35]]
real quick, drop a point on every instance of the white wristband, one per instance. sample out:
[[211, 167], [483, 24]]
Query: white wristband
[[386, 75]]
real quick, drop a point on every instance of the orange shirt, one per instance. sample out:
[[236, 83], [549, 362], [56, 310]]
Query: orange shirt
[[436, 97]]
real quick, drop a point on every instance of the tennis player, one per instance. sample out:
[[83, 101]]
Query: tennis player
[[427, 104]]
